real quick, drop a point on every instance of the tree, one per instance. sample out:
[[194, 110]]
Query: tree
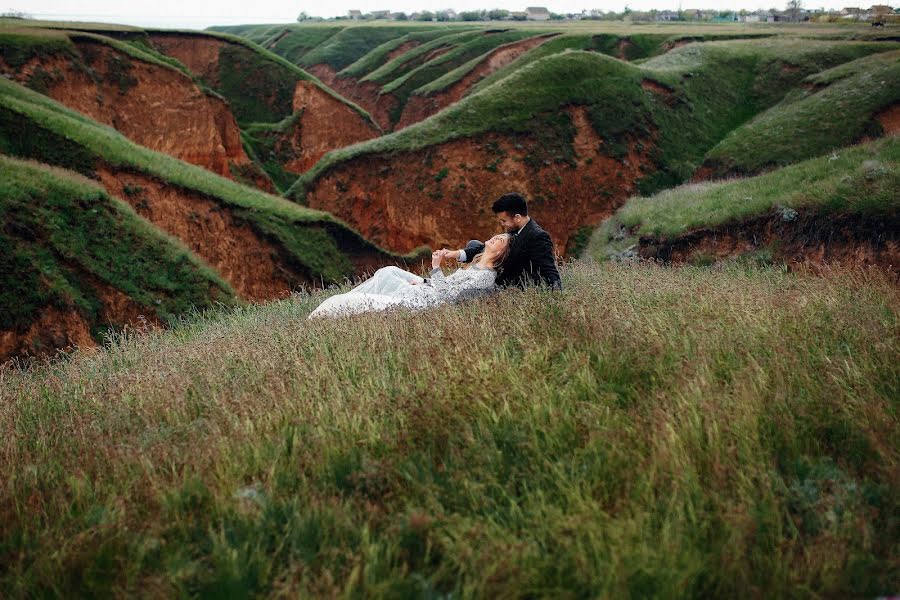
[[497, 14], [401, 16], [793, 9], [470, 15], [303, 17], [425, 16]]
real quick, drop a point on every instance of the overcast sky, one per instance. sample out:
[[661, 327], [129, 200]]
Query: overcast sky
[[199, 14]]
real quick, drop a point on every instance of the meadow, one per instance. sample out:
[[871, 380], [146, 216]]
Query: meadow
[[649, 431]]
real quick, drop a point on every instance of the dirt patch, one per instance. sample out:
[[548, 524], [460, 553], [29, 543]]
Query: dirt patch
[[325, 73], [153, 106], [889, 119], [671, 45], [200, 54], [623, 47], [704, 173], [326, 123], [369, 96], [420, 107], [436, 53], [402, 49], [53, 329], [57, 328], [277, 39], [441, 196], [254, 266], [813, 241], [660, 90]]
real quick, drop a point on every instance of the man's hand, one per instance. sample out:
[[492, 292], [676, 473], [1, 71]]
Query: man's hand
[[437, 258]]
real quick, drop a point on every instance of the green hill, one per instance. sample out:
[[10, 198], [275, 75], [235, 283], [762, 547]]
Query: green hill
[[831, 109], [846, 197], [258, 84], [308, 245], [701, 93], [648, 432], [70, 248]]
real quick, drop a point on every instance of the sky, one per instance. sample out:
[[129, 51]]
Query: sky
[[198, 14]]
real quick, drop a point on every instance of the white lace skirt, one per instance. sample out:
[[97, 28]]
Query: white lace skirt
[[389, 287]]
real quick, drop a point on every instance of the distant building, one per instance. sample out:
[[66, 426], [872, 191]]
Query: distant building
[[381, 14], [879, 10], [356, 15], [667, 15], [537, 13]]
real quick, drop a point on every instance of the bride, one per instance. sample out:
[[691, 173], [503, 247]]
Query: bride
[[392, 286]]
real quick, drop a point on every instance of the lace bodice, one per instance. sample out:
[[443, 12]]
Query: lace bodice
[[449, 288]]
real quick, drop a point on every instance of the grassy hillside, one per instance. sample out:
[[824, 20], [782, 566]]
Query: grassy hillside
[[63, 237], [351, 43], [378, 56], [401, 65], [258, 84], [703, 91], [65, 138], [861, 180], [648, 432], [832, 109]]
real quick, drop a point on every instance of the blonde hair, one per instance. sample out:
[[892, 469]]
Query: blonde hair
[[498, 260]]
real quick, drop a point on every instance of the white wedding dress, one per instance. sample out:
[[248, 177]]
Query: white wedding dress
[[392, 287]]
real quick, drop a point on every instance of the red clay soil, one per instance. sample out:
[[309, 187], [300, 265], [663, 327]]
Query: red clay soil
[[199, 53], [65, 328], [325, 73], [810, 242], [661, 91], [326, 123], [402, 49], [153, 106], [441, 196], [53, 329], [889, 119], [368, 95], [255, 267], [420, 107], [622, 48]]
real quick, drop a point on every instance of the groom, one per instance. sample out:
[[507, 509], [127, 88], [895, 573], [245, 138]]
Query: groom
[[531, 257]]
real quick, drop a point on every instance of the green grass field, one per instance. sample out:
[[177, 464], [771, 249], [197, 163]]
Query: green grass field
[[647, 432]]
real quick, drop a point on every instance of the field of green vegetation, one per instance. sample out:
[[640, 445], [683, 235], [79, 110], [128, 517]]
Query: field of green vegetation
[[860, 180], [59, 231], [709, 90], [648, 432], [64, 138]]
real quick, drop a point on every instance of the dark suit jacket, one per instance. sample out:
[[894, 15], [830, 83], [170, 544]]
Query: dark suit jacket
[[530, 259]]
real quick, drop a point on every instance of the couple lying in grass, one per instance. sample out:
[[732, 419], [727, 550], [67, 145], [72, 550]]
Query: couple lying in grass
[[522, 255]]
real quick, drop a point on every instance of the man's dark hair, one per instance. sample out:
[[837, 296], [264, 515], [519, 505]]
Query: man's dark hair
[[512, 203]]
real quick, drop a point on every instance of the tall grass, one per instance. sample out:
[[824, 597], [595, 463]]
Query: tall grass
[[649, 431]]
